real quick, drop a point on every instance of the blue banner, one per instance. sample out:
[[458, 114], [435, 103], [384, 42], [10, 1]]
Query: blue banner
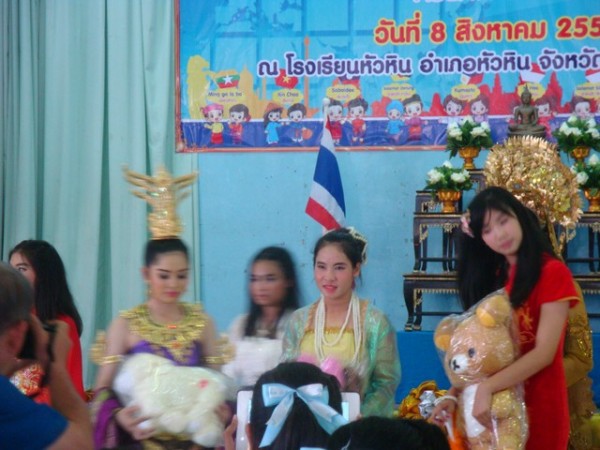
[[251, 76]]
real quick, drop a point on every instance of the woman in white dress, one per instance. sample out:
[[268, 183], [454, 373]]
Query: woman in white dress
[[257, 335]]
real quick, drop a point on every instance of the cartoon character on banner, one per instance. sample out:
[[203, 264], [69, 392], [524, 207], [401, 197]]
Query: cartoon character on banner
[[581, 107], [394, 126], [413, 108], [545, 106], [480, 106], [357, 107], [214, 116], [272, 122], [296, 114], [453, 107], [336, 120], [238, 115]]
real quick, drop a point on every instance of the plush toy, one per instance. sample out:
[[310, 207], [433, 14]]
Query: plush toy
[[177, 399], [330, 365], [476, 345]]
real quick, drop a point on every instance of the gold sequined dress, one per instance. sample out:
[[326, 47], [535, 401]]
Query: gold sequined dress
[[181, 343], [578, 362]]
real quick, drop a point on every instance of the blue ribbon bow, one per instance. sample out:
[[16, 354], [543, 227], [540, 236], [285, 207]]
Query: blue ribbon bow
[[316, 397]]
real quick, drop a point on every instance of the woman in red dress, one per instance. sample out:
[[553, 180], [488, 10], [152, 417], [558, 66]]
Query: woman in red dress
[[41, 264], [503, 245]]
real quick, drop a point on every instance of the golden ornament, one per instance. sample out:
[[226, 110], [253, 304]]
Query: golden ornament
[[532, 170], [162, 192]]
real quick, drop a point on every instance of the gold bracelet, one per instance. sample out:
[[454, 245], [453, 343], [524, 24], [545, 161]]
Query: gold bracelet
[[111, 359], [215, 360]]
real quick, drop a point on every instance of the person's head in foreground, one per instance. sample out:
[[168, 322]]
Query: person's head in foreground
[[383, 433], [294, 405]]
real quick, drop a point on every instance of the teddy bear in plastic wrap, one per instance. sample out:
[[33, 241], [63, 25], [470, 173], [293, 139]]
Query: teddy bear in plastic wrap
[[476, 345], [177, 399]]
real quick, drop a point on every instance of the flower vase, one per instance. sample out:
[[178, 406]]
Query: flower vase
[[468, 154], [593, 199], [448, 198], [580, 153]]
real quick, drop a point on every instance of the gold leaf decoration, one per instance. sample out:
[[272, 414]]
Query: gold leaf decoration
[[531, 168]]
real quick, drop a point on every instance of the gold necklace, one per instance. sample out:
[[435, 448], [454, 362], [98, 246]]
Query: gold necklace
[[178, 338]]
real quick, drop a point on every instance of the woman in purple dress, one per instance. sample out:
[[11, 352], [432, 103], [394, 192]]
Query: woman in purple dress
[[164, 326]]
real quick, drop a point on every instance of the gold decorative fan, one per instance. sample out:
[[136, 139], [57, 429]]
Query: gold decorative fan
[[532, 170]]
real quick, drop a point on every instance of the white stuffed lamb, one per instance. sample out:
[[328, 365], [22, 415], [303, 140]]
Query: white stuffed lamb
[[177, 399]]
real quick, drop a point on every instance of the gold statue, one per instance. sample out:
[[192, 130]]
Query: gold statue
[[162, 194], [526, 119]]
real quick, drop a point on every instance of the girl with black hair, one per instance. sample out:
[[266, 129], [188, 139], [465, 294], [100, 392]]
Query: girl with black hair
[[343, 334], [43, 267], [294, 406], [257, 335], [164, 326], [503, 245]]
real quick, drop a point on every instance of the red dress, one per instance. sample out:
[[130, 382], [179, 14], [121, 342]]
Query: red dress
[[28, 380], [335, 127], [546, 391]]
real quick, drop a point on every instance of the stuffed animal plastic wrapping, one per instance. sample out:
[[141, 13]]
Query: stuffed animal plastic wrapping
[[178, 400], [474, 346]]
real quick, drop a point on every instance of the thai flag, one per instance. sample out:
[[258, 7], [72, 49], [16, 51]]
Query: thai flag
[[326, 202]]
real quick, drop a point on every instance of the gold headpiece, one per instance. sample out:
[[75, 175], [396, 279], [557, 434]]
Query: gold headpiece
[[162, 194], [531, 169]]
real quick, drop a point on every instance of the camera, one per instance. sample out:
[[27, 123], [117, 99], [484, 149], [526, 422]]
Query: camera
[[28, 349]]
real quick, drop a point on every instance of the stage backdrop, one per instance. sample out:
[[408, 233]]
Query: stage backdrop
[[251, 76]]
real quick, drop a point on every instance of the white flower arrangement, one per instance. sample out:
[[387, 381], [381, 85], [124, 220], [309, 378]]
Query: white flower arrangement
[[577, 132], [448, 177], [588, 175], [468, 133]]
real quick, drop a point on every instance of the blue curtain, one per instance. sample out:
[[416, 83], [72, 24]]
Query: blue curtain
[[87, 87]]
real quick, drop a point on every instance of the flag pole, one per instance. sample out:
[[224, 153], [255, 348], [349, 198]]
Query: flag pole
[[325, 102]]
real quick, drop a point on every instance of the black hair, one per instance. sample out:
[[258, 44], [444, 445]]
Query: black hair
[[300, 429], [415, 98], [351, 246], [359, 101], [240, 108], [16, 297], [480, 269], [383, 433], [333, 102], [157, 247], [52, 296], [297, 107], [290, 302]]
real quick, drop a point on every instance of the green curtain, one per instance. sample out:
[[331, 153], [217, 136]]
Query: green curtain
[[87, 86]]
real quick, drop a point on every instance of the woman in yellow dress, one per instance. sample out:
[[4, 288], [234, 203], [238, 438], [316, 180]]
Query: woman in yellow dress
[[343, 334]]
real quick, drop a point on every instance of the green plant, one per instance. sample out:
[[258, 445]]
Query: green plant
[[588, 175], [448, 177], [468, 133], [577, 132]]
